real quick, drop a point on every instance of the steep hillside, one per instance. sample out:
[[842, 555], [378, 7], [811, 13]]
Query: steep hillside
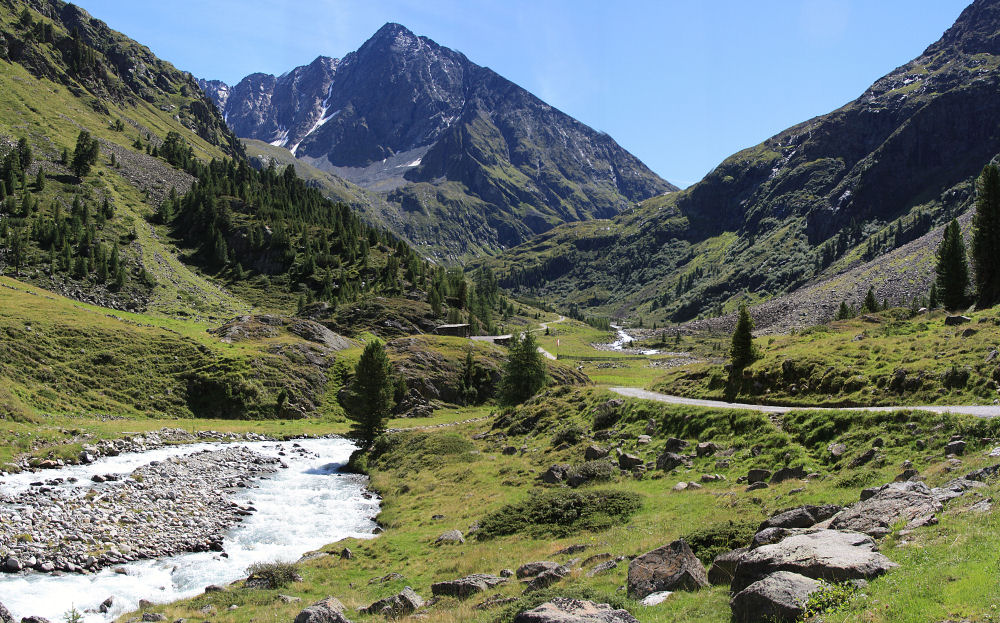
[[471, 162], [809, 204]]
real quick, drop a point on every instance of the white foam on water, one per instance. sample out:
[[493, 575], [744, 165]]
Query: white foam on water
[[299, 509]]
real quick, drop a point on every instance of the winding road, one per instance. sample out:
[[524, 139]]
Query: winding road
[[983, 411]]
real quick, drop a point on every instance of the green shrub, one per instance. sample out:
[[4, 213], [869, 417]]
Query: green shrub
[[272, 575], [571, 434], [709, 542], [829, 598], [592, 471], [559, 513]]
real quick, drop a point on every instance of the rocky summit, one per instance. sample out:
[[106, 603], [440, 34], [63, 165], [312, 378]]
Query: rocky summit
[[441, 138]]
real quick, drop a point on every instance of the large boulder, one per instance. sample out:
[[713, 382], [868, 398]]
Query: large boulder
[[669, 460], [788, 473], [451, 537], [329, 610], [800, 517], [780, 596], [724, 566], [467, 586], [563, 610], [546, 579], [831, 555], [669, 568], [909, 501], [404, 603], [5, 615]]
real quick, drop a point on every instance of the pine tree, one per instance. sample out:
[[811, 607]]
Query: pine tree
[[871, 303], [952, 269], [742, 351], [524, 373], [369, 399], [986, 237], [932, 296], [85, 154], [845, 312]]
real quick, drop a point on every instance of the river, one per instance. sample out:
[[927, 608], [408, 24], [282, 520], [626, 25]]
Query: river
[[299, 509]]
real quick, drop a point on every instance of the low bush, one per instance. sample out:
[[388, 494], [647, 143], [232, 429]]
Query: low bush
[[272, 575], [709, 542], [560, 513]]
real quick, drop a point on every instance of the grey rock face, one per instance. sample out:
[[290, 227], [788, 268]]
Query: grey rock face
[[563, 610], [668, 568], [909, 501], [831, 555], [780, 596]]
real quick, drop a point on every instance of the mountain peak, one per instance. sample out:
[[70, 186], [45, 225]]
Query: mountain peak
[[976, 31], [392, 35]]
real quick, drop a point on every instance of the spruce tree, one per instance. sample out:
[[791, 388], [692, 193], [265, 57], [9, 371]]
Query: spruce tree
[[986, 237], [932, 296], [369, 399], [742, 351], [952, 268], [871, 303], [524, 372]]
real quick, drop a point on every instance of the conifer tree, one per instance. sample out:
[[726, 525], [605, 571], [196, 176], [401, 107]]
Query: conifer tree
[[932, 296], [742, 351], [871, 303], [986, 237], [369, 399], [524, 372], [952, 268]]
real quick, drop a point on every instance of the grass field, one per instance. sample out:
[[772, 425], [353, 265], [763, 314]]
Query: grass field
[[946, 569]]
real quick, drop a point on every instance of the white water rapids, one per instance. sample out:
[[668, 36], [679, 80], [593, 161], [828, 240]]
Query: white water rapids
[[625, 341], [299, 509]]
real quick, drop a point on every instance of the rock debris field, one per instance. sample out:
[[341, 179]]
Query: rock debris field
[[181, 504]]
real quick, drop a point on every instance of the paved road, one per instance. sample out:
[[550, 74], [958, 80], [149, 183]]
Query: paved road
[[983, 411], [544, 327]]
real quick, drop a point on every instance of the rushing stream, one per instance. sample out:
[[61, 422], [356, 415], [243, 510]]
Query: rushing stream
[[625, 340], [299, 509]]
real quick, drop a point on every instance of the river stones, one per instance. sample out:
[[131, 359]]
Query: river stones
[[168, 507], [5, 615]]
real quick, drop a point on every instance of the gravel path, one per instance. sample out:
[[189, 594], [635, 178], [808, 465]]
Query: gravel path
[[983, 411]]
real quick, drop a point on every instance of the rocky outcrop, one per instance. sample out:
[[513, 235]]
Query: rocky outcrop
[[669, 568], [909, 501], [831, 555], [563, 610], [780, 597]]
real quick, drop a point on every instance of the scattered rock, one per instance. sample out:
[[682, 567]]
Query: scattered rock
[[451, 537], [781, 596], [669, 460], [594, 452], [329, 610], [788, 473], [836, 450], [628, 461], [555, 474], [153, 617], [705, 448], [668, 568], [951, 321], [546, 579], [563, 610], [758, 475], [404, 603], [956, 447], [801, 517], [346, 554], [531, 569], [864, 458], [757, 485], [468, 586], [605, 566], [656, 599]]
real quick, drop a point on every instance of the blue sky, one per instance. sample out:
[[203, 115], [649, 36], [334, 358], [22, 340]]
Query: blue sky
[[682, 84]]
